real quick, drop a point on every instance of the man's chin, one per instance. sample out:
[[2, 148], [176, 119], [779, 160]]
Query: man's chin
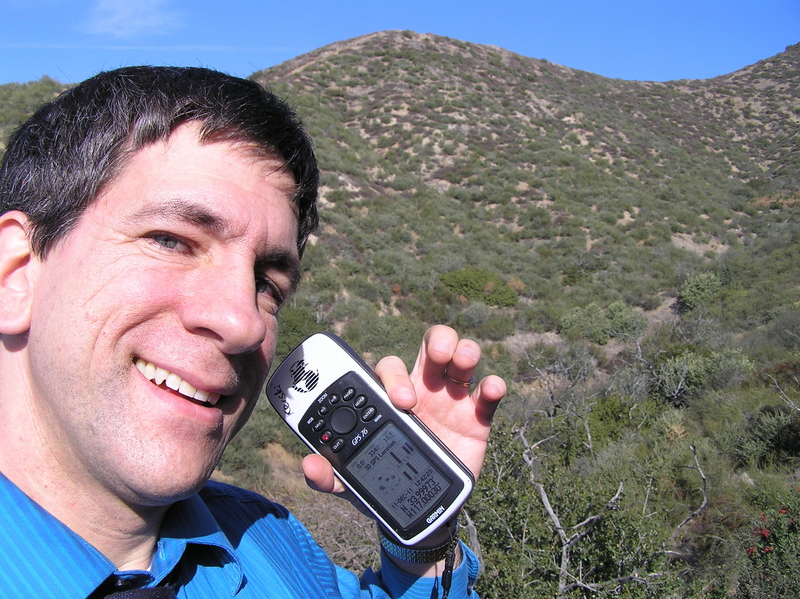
[[150, 495]]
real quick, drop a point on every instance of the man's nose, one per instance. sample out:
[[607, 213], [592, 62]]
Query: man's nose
[[222, 305]]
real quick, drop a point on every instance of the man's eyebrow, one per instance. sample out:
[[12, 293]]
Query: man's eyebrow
[[188, 211]]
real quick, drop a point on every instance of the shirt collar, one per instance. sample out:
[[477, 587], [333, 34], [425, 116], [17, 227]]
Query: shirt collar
[[189, 522], [43, 557]]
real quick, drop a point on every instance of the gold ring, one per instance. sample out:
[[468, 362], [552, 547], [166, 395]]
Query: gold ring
[[465, 384]]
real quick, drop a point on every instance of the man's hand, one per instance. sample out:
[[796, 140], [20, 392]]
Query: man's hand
[[460, 416]]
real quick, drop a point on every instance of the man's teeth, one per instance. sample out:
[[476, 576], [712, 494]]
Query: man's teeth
[[158, 375]]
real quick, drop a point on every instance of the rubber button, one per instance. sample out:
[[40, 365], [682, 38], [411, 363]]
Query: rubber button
[[369, 414], [343, 420]]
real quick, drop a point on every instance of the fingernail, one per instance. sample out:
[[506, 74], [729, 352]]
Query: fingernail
[[497, 389], [469, 352], [404, 393], [441, 346]]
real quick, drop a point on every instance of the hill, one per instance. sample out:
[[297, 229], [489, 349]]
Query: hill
[[438, 154], [648, 235]]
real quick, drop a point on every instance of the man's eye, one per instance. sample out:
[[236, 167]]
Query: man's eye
[[167, 241], [266, 286]]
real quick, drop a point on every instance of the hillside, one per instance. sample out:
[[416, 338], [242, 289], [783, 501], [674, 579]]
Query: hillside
[[627, 253], [495, 98], [439, 154]]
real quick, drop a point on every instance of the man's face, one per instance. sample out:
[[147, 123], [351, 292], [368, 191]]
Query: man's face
[[154, 321]]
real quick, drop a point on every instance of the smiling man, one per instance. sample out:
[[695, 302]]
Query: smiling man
[[153, 221]]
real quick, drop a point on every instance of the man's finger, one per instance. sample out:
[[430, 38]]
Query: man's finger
[[319, 475], [394, 378]]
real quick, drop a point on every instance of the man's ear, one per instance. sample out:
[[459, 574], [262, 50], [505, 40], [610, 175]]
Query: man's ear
[[17, 264]]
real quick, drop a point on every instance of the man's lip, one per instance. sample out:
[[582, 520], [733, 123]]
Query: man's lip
[[159, 376]]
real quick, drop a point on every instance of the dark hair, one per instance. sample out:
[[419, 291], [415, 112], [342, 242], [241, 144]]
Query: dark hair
[[59, 160]]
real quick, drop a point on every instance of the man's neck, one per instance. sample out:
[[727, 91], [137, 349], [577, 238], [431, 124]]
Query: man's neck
[[124, 533]]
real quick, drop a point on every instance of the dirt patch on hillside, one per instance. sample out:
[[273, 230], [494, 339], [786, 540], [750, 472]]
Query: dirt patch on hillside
[[685, 241], [286, 473]]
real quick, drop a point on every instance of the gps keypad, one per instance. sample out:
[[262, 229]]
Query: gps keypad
[[341, 416]]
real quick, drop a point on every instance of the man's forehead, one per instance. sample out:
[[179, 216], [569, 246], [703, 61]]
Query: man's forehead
[[256, 152], [249, 147], [184, 177], [264, 161]]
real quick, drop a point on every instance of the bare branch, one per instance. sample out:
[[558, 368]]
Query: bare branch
[[647, 496], [704, 503], [782, 393], [583, 528], [474, 542], [610, 505]]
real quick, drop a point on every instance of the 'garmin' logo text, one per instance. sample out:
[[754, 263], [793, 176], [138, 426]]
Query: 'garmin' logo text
[[439, 511]]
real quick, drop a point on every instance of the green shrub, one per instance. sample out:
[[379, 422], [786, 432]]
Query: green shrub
[[481, 286], [771, 436], [589, 322], [496, 328], [623, 321], [698, 290], [680, 377], [381, 336], [294, 325], [685, 375]]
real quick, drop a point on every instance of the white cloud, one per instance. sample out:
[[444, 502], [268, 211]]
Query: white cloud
[[130, 18]]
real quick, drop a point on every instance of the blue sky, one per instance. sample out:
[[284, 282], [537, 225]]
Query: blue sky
[[71, 40]]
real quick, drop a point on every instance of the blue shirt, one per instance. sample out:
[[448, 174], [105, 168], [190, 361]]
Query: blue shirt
[[224, 541]]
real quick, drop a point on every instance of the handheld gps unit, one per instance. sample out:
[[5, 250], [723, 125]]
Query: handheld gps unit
[[387, 457]]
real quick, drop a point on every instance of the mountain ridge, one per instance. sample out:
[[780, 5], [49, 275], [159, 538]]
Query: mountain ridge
[[718, 101]]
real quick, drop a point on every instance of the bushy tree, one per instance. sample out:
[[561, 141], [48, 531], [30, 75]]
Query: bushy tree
[[683, 376], [698, 290], [481, 286], [600, 325], [589, 322], [624, 321]]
